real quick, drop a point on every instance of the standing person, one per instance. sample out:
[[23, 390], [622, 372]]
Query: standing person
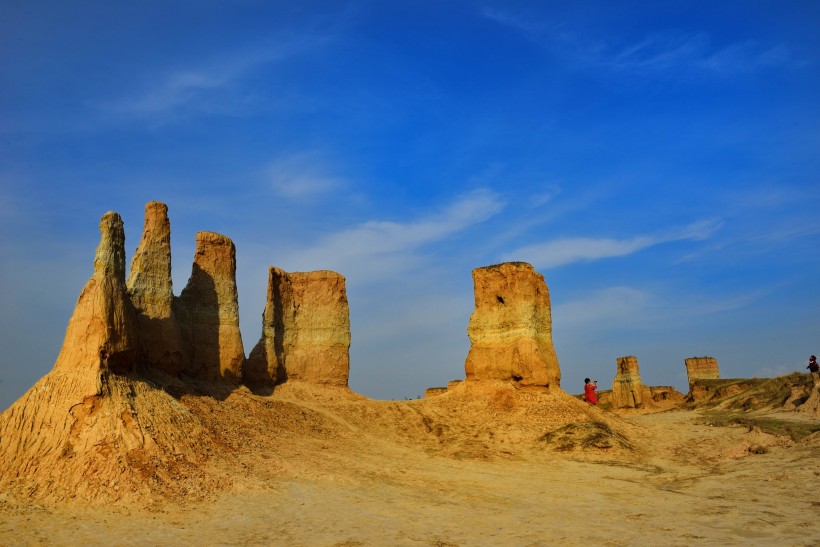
[[813, 367], [589, 391]]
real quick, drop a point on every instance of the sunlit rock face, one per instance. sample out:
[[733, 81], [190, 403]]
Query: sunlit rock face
[[627, 388], [208, 312], [151, 292], [510, 330], [701, 368], [102, 333], [305, 330]]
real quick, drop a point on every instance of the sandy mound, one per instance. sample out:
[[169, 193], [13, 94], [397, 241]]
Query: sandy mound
[[148, 441], [126, 440]]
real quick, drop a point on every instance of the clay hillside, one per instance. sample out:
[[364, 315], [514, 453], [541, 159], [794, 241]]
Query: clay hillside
[[154, 399]]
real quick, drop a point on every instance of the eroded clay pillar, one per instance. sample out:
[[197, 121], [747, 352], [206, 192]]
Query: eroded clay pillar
[[510, 330]]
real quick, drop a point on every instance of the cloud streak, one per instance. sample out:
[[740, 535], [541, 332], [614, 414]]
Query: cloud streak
[[561, 252], [660, 53], [302, 176], [208, 86], [377, 248]]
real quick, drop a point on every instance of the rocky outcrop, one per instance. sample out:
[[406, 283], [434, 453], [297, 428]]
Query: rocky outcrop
[[701, 368], [151, 291], [434, 392], [811, 406], [510, 330], [662, 395], [102, 333], [627, 387], [91, 429], [208, 312], [305, 330]]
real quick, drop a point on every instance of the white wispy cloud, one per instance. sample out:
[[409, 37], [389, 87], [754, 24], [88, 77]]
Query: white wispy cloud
[[659, 53], [664, 52], [565, 251], [210, 86], [512, 20], [303, 176], [378, 248], [606, 305], [546, 195]]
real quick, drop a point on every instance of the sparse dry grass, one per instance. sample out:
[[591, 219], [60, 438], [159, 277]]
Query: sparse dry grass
[[585, 435], [795, 430]]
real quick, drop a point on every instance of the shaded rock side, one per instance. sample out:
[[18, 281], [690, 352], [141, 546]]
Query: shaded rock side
[[208, 312], [627, 387], [510, 330], [151, 291], [305, 330], [701, 368], [102, 332]]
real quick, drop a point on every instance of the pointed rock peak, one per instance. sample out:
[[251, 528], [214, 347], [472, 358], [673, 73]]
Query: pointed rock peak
[[151, 291], [102, 332], [150, 279], [110, 257]]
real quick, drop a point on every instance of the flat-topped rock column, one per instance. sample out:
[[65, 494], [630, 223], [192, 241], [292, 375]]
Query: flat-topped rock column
[[627, 387], [305, 330], [701, 368], [510, 330]]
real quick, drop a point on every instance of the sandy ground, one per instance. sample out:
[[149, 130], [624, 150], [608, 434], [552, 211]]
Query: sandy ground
[[355, 481]]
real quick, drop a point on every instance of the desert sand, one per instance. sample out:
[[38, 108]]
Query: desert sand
[[324, 466]]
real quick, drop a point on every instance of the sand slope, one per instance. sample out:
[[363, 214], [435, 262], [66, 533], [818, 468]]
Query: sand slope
[[311, 466]]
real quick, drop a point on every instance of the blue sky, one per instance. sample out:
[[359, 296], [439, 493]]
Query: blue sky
[[658, 162]]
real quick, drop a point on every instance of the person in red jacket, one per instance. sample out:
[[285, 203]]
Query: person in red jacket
[[589, 391]]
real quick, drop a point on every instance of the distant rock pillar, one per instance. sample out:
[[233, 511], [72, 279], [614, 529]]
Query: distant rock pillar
[[102, 332], [151, 291], [701, 368], [208, 311], [627, 387], [305, 330], [510, 330]]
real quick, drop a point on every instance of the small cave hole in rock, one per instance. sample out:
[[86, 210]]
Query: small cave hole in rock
[[119, 362], [501, 300]]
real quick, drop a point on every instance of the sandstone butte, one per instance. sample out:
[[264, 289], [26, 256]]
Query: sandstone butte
[[627, 387], [701, 368], [510, 330], [305, 330]]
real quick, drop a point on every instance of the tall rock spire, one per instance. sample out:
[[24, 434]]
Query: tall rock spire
[[151, 291], [102, 332], [510, 330], [208, 311]]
